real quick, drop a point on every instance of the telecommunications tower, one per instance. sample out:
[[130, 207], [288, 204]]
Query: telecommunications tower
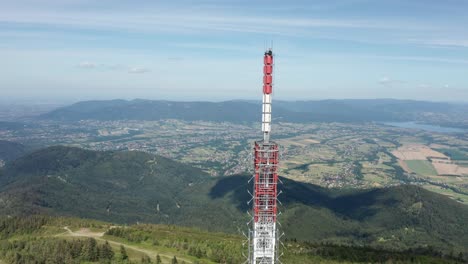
[[264, 235]]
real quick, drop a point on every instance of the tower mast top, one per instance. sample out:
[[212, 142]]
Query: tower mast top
[[267, 93]]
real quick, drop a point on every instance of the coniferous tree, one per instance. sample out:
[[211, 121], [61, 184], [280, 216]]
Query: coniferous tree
[[146, 260], [199, 253], [158, 259], [460, 256], [89, 251], [69, 259], [106, 252], [174, 260], [123, 253]]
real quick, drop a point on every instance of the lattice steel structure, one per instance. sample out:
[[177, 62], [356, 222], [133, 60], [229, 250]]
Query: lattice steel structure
[[264, 234]]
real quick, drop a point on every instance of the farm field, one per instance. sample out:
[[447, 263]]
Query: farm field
[[417, 152], [454, 154], [449, 168], [421, 167]]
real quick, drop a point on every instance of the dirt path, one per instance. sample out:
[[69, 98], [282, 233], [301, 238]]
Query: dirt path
[[85, 232]]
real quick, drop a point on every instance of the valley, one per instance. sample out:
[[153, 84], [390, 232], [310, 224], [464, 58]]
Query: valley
[[332, 155], [352, 191]]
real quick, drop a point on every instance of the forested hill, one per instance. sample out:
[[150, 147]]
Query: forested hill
[[11, 150], [249, 111], [129, 187]]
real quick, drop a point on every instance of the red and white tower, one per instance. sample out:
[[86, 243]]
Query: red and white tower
[[264, 234]]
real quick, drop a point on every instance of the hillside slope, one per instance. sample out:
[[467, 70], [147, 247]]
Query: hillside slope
[[11, 150], [43, 239], [127, 187]]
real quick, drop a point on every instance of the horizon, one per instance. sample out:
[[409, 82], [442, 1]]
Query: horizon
[[211, 50], [70, 101]]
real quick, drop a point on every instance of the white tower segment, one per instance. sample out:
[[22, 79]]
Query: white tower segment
[[266, 117]]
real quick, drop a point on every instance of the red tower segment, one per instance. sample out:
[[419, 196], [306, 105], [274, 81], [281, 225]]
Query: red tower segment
[[267, 71]]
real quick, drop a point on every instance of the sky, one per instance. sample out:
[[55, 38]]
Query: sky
[[213, 50]]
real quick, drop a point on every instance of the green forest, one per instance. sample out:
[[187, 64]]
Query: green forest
[[41, 240]]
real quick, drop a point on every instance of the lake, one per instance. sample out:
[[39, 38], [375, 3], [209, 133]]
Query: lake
[[431, 128]]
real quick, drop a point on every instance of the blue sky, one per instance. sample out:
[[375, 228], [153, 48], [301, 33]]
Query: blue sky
[[212, 50]]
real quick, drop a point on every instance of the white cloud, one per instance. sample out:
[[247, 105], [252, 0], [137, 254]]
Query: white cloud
[[384, 80], [175, 58], [185, 20], [112, 67], [87, 65], [199, 19], [138, 70], [387, 81], [446, 42], [418, 59]]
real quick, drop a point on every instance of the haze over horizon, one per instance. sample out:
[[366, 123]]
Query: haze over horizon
[[212, 50]]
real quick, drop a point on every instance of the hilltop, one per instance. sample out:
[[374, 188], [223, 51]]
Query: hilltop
[[130, 187]]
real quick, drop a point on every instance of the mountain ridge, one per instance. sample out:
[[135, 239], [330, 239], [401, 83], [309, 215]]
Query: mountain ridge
[[349, 110]]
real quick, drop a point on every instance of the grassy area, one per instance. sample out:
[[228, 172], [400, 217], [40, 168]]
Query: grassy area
[[137, 250], [421, 167], [454, 154]]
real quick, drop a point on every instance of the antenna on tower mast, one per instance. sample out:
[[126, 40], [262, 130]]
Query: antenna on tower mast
[[264, 235]]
